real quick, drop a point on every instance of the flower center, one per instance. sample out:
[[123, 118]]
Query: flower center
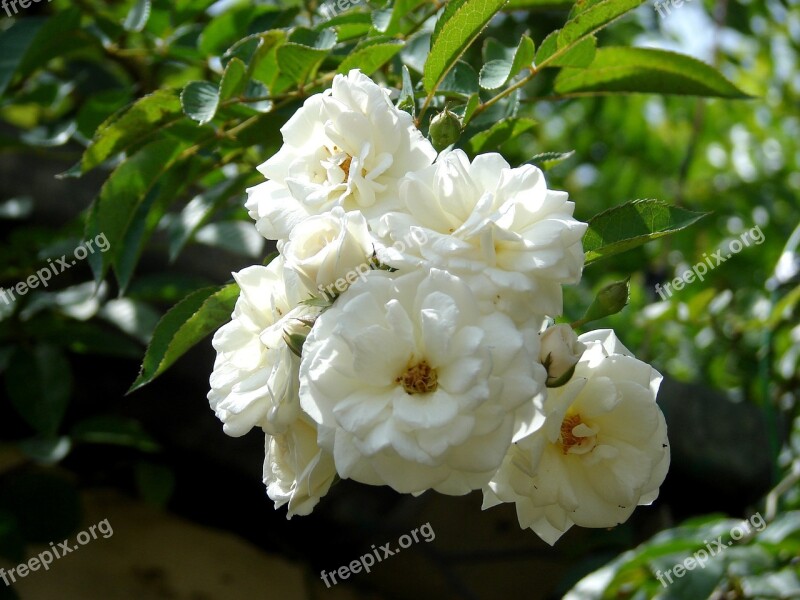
[[419, 379], [345, 166], [576, 437]]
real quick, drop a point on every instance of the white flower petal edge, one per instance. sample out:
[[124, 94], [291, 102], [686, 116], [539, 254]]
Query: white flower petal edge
[[255, 377], [297, 471], [513, 240], [349, 147], [413, 387], [602, 451]]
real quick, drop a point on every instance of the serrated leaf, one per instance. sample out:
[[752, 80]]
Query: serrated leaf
[[586, 23], [264, 65], [381, 19], [138, 15], [132, 126], [370, 58], [299, 62], [494, 74], [523, 56], [39, 385], [456, 29], [148, 214], [632, 224], [234, 79], [498, 134], [646, 70], [187, 323], [121, 196], [547, 160], [200, 100], [594, 18]]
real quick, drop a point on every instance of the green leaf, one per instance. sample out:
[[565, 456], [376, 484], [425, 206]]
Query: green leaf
[[469, 109], [462, 80], [400, 10], [583, 24], [264, 64], [190, 321], [300, 61], [14, 44], [225, 28], [114, 431], [234, 79], [547, 160], [197, 212], [523, 56], [138, 15], [59, 36], [147, 217], [200, 101], [131, 127], [407, 101], [646, 70], [498, 134], [632, 224], [125, 190], [370, 58], [593, 19], [494, 74], [581, 54], [349, 26], [39, 385], [538, 4], [456, 29]]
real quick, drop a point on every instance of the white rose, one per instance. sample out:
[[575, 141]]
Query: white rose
[[413, 387], [514, 241], [296, 470], [330, 247], [348, 146], [602, 451], [254, 382], [560, 352]]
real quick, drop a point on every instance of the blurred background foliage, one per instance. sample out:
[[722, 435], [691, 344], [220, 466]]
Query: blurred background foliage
[[166, 180]]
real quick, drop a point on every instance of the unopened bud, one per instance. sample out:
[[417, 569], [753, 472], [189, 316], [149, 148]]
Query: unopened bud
[[559, 353], [445, 129], [609, 301]]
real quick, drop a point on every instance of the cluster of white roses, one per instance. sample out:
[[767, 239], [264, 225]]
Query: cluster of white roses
[[432, 366]]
